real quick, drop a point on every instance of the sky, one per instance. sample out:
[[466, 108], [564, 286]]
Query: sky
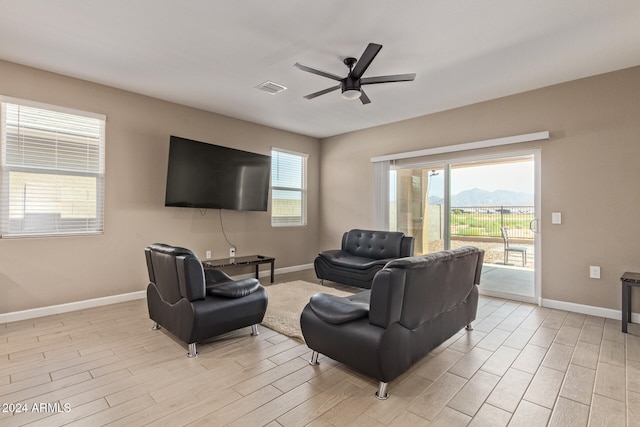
[[517, 177]]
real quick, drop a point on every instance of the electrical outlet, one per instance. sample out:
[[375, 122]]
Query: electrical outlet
[[208, 254], [232, 252], [594, 272]]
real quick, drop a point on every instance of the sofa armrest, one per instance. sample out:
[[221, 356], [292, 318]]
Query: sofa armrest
[[387, 292], [191, 277], [407, 244], [343, 244], [344, 259], [336, 310]]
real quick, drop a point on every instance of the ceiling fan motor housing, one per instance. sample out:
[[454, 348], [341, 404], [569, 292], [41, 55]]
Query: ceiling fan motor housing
[[349, 83], [350, 86]]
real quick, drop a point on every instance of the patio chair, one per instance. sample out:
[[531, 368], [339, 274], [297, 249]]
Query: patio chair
[[508, 248]]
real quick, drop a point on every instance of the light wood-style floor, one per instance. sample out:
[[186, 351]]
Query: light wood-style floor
[[522, 365]]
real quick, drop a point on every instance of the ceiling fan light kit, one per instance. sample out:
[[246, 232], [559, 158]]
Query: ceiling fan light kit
[[351, 84], [351, 94]]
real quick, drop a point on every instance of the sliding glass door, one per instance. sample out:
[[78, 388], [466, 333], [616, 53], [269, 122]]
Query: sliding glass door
[[489, 203]]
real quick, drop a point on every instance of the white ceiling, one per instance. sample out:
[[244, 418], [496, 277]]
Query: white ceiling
[[210, 54]]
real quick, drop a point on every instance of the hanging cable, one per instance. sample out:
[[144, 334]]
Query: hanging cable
[[223, 232]]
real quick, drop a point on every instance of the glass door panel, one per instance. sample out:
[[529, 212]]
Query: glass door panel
[[417, 206], [493, 200]]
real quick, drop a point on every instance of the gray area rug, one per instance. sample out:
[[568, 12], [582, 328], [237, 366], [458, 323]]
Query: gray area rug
[[286, 301]]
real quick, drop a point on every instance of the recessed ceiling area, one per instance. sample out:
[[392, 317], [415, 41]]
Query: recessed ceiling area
[[213, 54]]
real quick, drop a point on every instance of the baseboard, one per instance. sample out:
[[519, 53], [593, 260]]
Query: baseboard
[[294, 268], [609, 313], [113, 299], [70, 306]]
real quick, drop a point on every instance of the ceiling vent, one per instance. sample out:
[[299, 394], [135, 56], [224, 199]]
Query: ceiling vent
[[271, 87]]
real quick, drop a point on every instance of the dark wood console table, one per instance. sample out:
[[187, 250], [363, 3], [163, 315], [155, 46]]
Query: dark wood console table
[[241, 261], [629, 280]]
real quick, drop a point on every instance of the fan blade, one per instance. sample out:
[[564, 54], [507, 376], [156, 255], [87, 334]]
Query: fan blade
[[365, 60], [321, 92], [388, 79], [364, 98], [318, 72]]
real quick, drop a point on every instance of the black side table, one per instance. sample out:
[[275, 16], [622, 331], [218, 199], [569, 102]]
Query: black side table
[[628, 281], [240, 261]]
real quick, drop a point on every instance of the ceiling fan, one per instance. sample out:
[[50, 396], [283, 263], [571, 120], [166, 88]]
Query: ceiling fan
[[352, 84]]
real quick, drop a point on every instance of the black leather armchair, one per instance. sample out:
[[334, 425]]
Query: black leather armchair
[[414, 305], [196, 304], [362, 254]]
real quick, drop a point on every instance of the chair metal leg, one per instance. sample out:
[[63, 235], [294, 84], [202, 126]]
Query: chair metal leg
[[469, 327], [314, 359], [155, 326], [254, 330], [192, 350], [382, 391]]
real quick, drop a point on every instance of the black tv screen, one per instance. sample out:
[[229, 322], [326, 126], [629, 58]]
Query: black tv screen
[[202, 175]]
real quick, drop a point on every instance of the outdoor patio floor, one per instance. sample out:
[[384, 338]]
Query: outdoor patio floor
[[515, 281]]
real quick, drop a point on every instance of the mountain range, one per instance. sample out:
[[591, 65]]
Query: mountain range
[[478, 197]]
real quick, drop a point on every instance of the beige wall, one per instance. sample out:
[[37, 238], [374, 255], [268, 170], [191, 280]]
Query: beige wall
[[590, 172], [39, 272]]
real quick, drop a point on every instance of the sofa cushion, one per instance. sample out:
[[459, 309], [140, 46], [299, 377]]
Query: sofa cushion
[[345, 259], [335, 310], [238, 289]]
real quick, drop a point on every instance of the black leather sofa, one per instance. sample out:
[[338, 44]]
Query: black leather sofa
[[362, 254], [196, 304], [414, 305]]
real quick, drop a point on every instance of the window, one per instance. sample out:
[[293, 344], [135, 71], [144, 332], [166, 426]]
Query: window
[[288, 188], [52, 170]]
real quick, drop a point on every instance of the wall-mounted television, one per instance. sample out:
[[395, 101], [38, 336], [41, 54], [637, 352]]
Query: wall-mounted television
[[202, 175]]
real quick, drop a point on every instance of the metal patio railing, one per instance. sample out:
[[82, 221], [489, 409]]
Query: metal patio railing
[[485, 221]]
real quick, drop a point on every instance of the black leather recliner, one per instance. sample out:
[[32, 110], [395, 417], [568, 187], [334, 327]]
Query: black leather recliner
[[362, 254], [196, 304], [414, 305]]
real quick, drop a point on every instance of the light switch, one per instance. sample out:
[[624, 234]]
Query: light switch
[[556, 218]]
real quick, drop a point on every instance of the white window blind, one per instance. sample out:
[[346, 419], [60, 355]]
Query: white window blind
[[288, 188], [52, 170]]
